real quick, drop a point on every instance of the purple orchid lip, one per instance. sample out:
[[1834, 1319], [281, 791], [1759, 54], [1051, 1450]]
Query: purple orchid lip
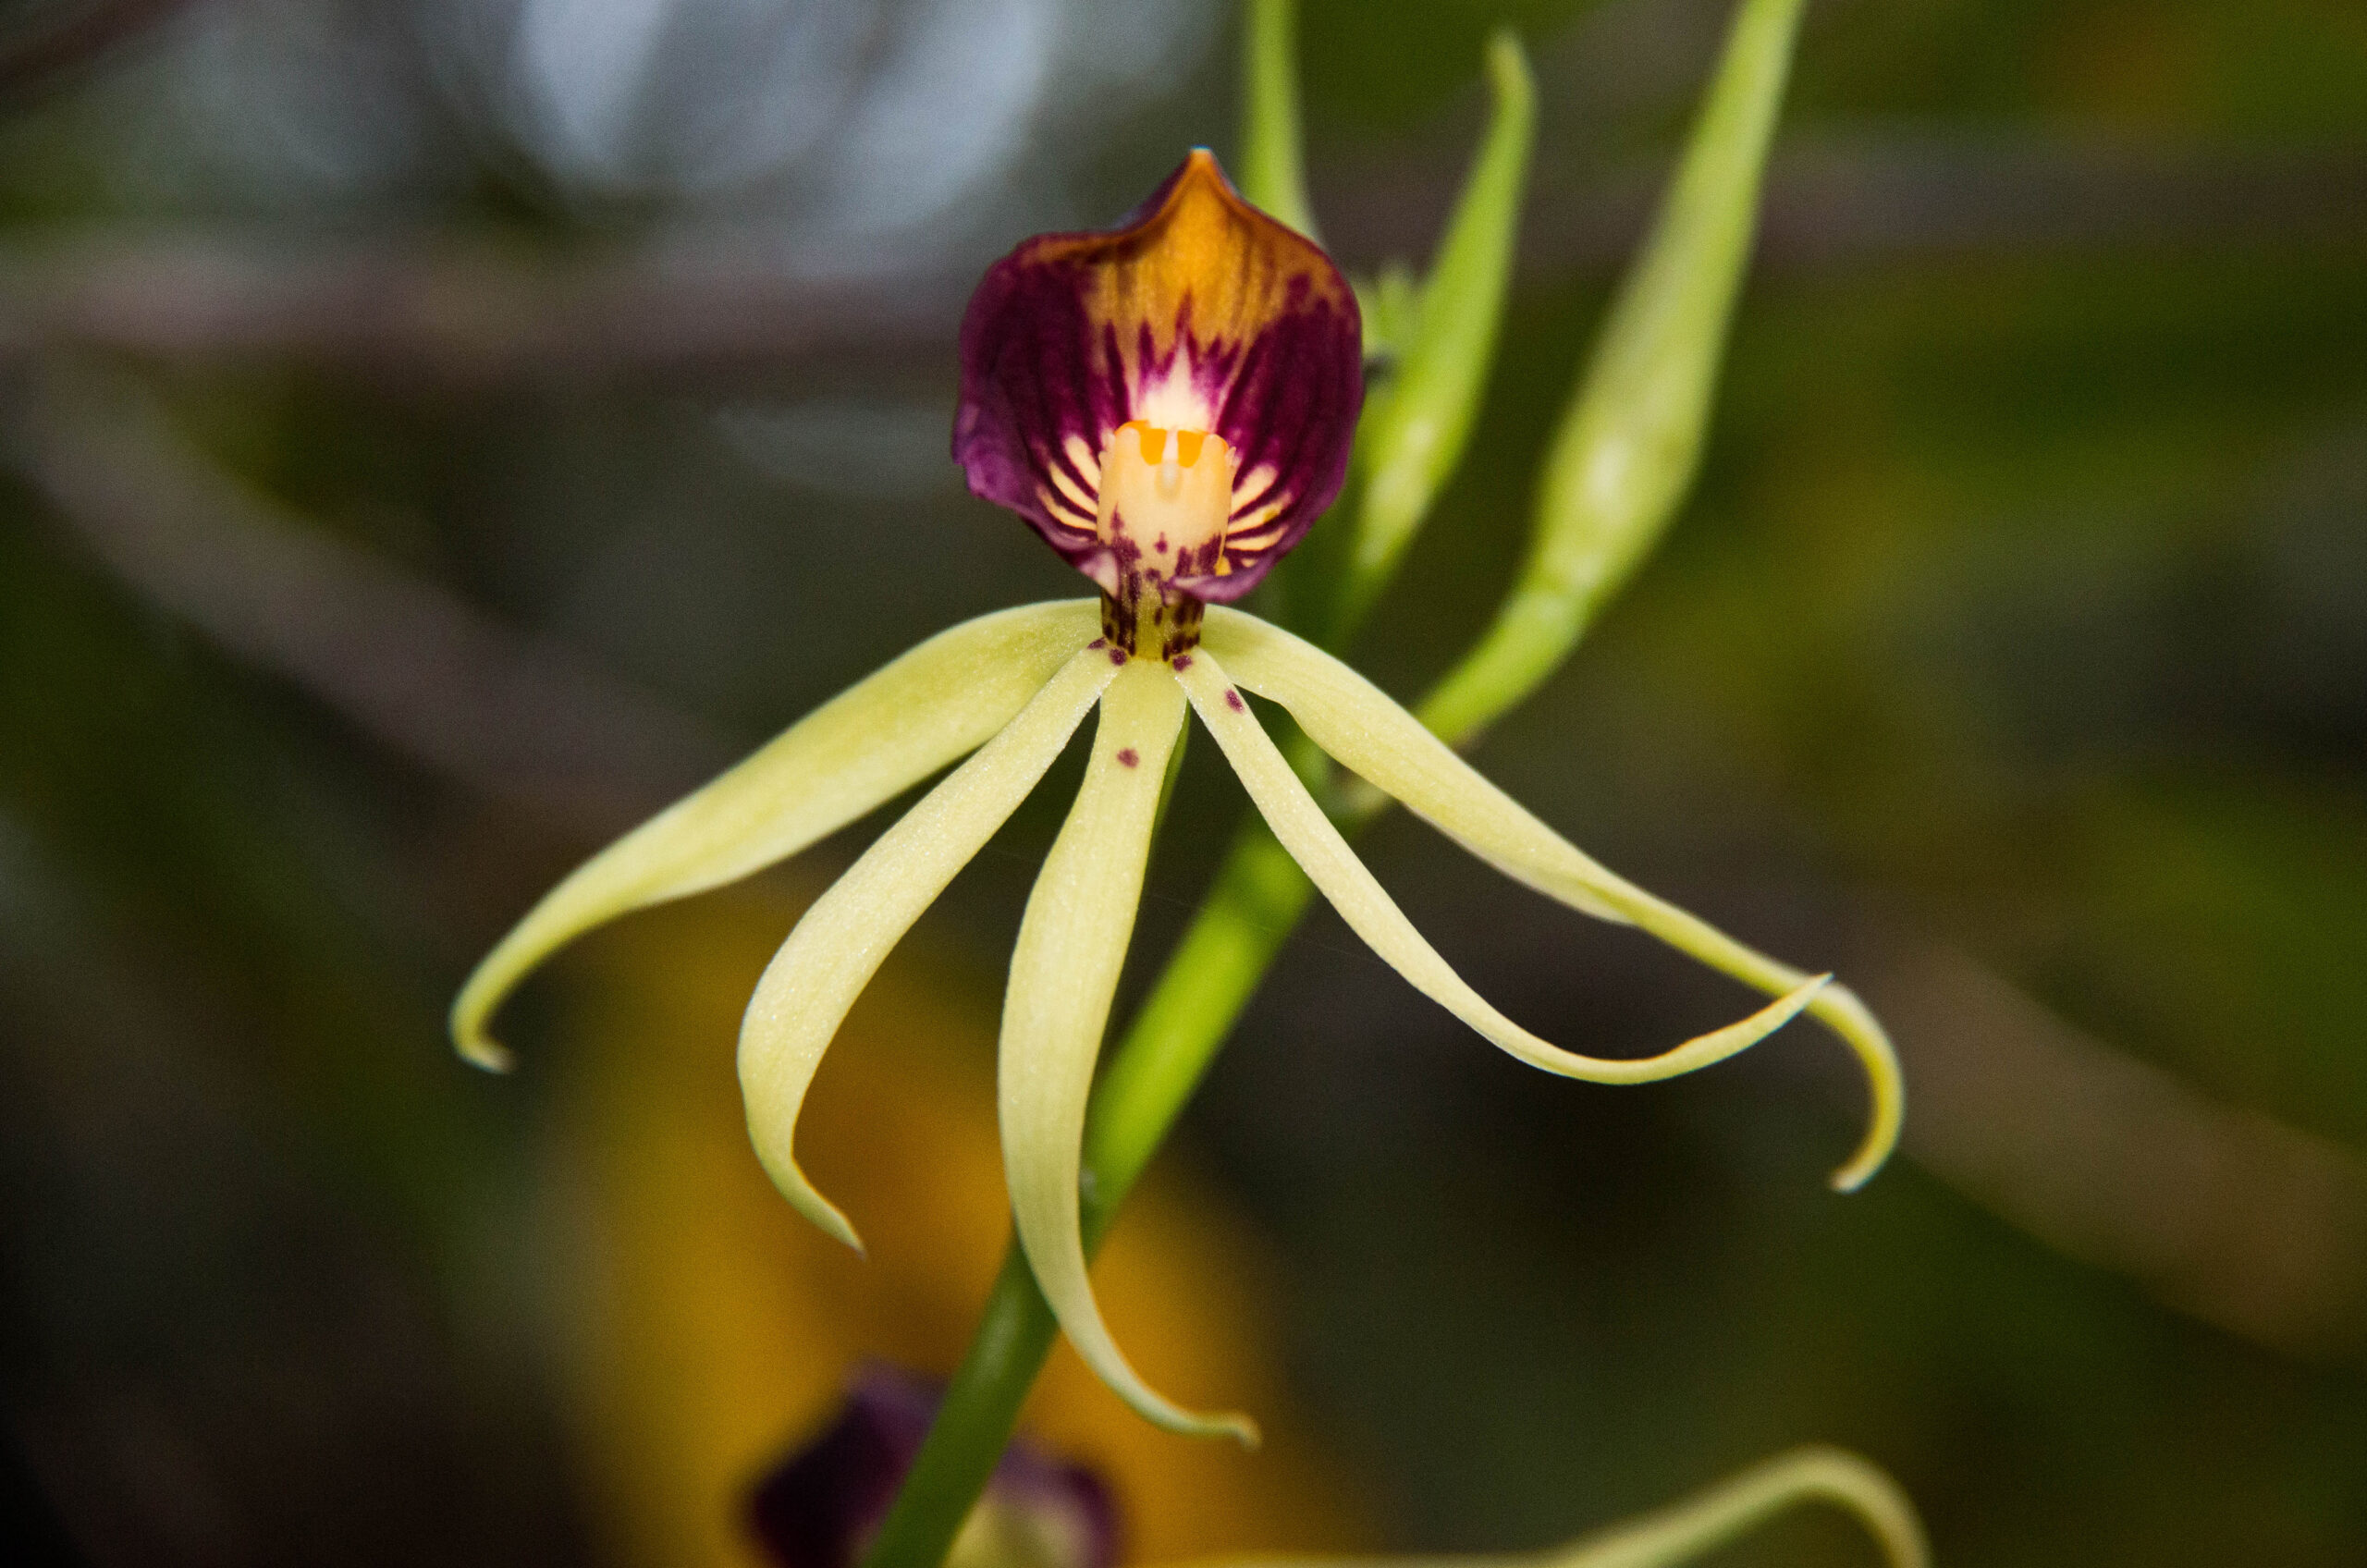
[[1200, 317]]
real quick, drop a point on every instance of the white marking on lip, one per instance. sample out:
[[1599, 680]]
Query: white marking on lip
[[1172, 402]]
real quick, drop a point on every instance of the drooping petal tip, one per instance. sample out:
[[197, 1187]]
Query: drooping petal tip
[[1840, 1009], [840, 943], [1366, 732], [872, 741], [1230, 343], [1064, 971], [469, 1037]]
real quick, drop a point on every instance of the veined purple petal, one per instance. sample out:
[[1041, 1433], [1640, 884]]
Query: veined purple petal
[[1200, 314]]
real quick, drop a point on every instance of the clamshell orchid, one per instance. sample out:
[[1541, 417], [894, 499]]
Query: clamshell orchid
[[1170, 404]]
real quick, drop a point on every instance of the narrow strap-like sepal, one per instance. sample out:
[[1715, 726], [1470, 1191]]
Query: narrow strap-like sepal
[[849, 930], [1372, 914], [864, 746], [1700, 1523], [1366, 732], [1063, 973]]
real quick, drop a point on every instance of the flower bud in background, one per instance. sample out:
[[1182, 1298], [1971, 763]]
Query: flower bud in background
[[819, 1507]]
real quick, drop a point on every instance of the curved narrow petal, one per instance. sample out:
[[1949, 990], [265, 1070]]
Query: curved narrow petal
[[1717, 1514], [1333, 867], [875, 739], [1063, 971], [840, 942], [1703, 1523], [1366, 732]]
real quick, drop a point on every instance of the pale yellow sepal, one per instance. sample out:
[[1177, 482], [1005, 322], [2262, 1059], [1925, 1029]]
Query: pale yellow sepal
[[870, 743], [1372, 914], [1701, 1523], [1063, 973], [1711, 1518], [842, 939], [1364, 731]]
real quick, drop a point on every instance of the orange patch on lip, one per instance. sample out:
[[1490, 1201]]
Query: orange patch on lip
[[1154, 443]]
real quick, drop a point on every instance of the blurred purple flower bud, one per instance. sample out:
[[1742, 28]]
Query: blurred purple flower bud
[[819, 1507]]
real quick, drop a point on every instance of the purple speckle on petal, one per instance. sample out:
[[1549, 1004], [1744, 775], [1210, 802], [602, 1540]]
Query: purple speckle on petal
[[1117, 655], [1232, 701], [1096, 643], [1128, 757], [1182, 661]]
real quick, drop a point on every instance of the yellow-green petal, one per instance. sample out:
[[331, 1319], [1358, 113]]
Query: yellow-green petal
[[1711, 1518], [1063, 971], [1363, 729], [1701, 1523], [842, 939], [1372, 914], [871, 741]]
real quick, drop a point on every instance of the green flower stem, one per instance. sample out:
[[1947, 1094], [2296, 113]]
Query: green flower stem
[[1622, 462], [1256, 899], [1273, 174], [974, 1425]]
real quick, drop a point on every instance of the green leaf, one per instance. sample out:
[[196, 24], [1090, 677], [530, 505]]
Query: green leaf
[[1273, 170], [1631, 440], [1392, 306], [1416, 433]]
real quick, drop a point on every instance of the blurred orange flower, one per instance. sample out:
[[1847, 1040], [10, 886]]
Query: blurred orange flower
[[709, 1327]]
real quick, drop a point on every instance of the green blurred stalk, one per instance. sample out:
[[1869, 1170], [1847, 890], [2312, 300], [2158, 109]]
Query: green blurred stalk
[[1628, 447], [1625, 452], [1273, 171], [1415, 428]]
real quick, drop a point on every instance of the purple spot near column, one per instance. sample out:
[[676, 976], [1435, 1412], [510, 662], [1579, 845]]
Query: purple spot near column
[[1182, 661], [1117, 655], [1129, 758], [1096, 643]]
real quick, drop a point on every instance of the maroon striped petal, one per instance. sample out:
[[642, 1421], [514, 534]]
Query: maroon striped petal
[[1200, 316]]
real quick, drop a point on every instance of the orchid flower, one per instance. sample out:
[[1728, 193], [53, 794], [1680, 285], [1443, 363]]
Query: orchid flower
[[1170, 404]]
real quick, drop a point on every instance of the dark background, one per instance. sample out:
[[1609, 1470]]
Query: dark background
[[436, 434]]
